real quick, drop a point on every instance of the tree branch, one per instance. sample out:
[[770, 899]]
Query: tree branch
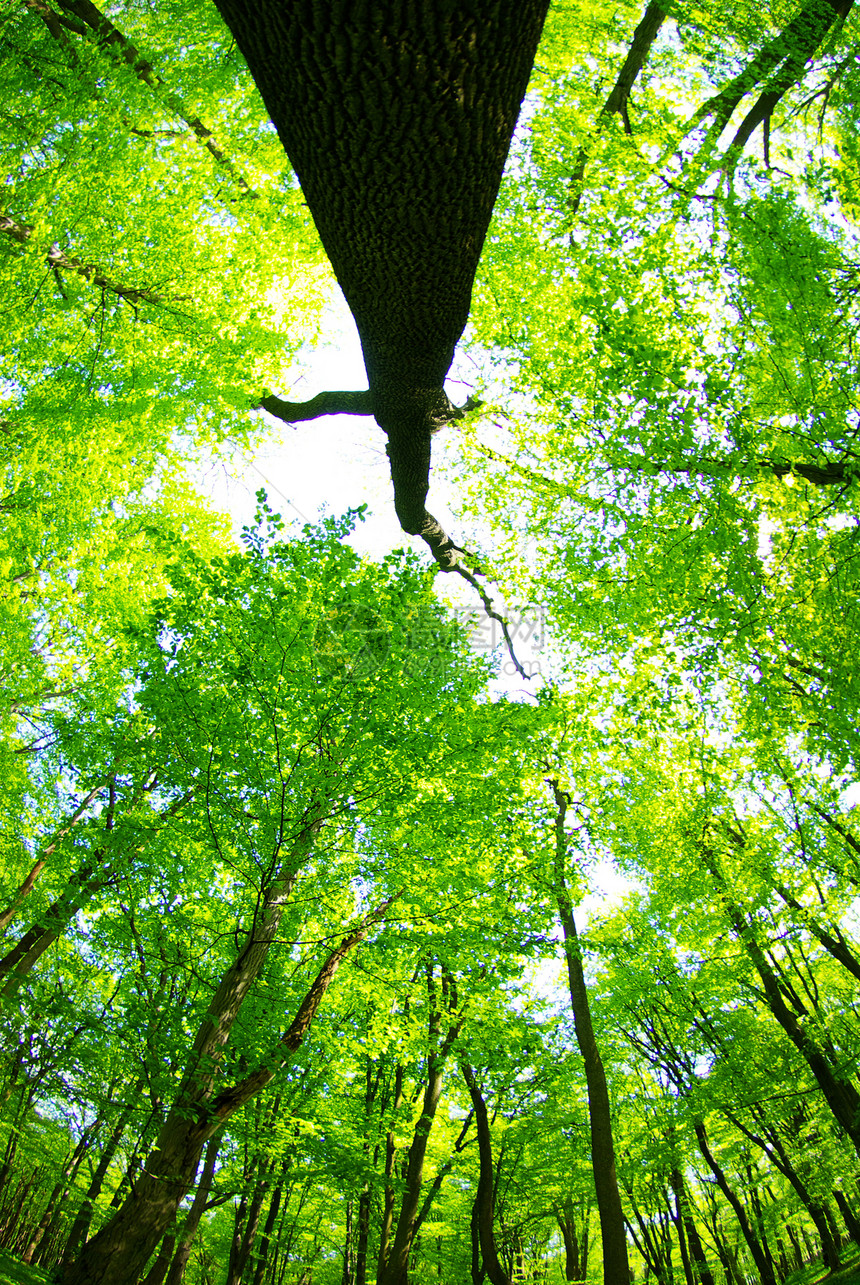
[[229, 1100], [328, 403], [640, 47], [91, 18], [786, 54], [58, 260], [409, 475]]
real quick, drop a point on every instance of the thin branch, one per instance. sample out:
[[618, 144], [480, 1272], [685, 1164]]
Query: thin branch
[[640, 47], [109, 35], [59, 261]]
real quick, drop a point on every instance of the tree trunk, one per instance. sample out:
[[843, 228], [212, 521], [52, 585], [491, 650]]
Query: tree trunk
[[698, 1263], [389, 1198], [849, 1217], [121, 1249], [484, 1200], [81, 1225], [60, 1193], [195, 1213], [616, 1268], [840, 1095], [271, 1219], [760, 1259], [575, 1246], [396, 1269], [397, 118], [159, 1268]]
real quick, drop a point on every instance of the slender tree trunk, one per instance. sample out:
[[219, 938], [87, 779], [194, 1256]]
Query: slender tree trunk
[[616, 1268], [484, 1200], [396, 1269], [698, 1263], [763, 1266], [840, 1095], [477, 1270], [389, 1197], [159, 1268], [60, 1192], [849, 1217], [346, 1276], [195, 1213], [81, 1225], [268, 1229], [26, 887], [121, 1249]]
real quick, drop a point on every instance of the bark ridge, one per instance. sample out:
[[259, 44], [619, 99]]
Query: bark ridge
[[397, 116]]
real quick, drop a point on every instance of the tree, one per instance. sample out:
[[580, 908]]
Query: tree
[[276, 859], [427, 97]]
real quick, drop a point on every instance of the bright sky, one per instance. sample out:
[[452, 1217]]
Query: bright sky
[[338, 462]]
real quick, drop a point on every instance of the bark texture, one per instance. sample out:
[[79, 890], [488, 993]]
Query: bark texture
[[397, 116]]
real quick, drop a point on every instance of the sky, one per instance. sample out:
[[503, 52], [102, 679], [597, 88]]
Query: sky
[[329, 465]]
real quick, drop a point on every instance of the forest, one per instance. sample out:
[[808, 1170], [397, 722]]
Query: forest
[[339, 945]]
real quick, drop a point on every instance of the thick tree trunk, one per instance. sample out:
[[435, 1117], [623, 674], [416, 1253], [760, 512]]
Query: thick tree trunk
[[397, 118], [616, 1268]]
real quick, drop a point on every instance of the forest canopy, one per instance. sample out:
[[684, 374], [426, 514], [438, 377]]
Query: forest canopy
[[328, 957]]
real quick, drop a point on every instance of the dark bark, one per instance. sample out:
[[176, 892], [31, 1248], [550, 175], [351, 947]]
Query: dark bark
[[439, 1048], [91, 19], [832, 938], [484, 1199], [83, 884], [760, 1259], [616, 1268], [81, 1225], [397, 118], [840, 1095], [778, 64], [849, 1217], [637, 55], [27, 885], [159, 1268], [195, 1213], [59, 261], [58, 1196], [121, 1249], [442, 1173], [771, 1144], [698, 1262], [575, 1243], [269, 1227], [389, 1197]]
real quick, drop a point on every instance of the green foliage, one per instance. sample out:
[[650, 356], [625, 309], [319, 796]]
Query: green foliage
[[664, 326]]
